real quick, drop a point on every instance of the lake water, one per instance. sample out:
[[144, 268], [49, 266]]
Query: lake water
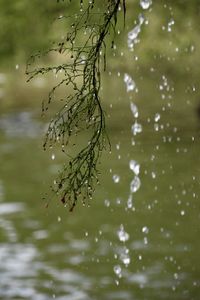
[[118, 247]]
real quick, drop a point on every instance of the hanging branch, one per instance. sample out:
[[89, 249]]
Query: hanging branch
[[83, 74]]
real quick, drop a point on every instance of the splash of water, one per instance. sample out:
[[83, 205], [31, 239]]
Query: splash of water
[[134, 166], [135, 184], [133, 34], [145, 4], [136, 128], [130, 84], [134, 110], [122, 234]]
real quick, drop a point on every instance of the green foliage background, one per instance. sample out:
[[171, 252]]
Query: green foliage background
[[26, 26]]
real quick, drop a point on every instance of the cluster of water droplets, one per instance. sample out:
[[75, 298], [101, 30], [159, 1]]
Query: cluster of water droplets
[[133, 164], [123, 253], [145, 4], [145, 231], [134, 33], [116, 178], [123, 236], [130, 84]]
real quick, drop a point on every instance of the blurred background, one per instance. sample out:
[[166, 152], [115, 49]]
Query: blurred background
[[139, 236]]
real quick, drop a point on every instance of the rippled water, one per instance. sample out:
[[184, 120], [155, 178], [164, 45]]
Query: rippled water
[[140, 246], [138, 239]]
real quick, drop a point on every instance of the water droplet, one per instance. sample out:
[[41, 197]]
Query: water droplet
[[83, 59], [53, 156], [59, 219], [118, 201], [130, 84], [157, 117], [134, 110], [145, 4], [17, 67], [107, 202], [141, 19], [118, 270], [156, 127], [125, 258], [170, 24], [133, 34], [130, 202], [135, 184], [117, 146], [145, 229], [175, 276], [122, 234], [134, 166], [136, 128], [182, 213], [116, 178]]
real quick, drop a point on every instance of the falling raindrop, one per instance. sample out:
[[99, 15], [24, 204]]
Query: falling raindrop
[[156, 127], [135, 184], [145, 229], [117, 146], [107, 203], [117, 282], [125, 258], [133, 34], [145, 4], [134, 166], [118, 270], [130, 202], [157, 117], [130, 84], [134, 110], [136, 128], [122, 234], [116, 178], [170, 24]]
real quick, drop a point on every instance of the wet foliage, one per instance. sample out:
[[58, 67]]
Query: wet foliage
[[82, 109]]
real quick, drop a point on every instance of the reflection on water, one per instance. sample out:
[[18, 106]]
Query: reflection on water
[[139, 239], [139, 246], [20, 124]]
